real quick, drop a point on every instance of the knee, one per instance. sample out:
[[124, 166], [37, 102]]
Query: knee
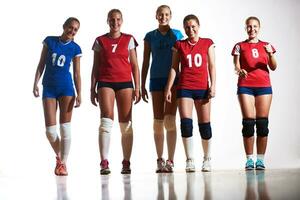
[[126, 128], [186, 127], [248, 127], [170, 122], [105, 125], [262, 129], [205, 130], [158, 126], [65, 131], [51, 133]]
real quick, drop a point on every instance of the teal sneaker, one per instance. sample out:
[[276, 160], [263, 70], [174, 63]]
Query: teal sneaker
[[249, 164], [259, 165]]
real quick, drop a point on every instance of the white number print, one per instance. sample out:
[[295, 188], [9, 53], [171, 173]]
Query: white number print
[[197, 60], [255, 53], [114, 47], [60, 61]]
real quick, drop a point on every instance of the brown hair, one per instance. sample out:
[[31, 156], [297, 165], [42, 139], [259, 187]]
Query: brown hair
[[189, 17], [252, 18], [69, 21], [113, 11], [162, 7]]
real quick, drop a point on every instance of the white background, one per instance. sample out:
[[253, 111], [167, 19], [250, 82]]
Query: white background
[[24, 25]]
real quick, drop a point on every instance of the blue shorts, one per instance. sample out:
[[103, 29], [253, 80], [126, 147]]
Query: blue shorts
[[114, 85], [57, 91], [159, 84], [194, 94], [255, 91]]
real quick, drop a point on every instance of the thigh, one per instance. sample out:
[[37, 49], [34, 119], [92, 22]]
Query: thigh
[[106, 99], [158, 104], [124, 98], [262, 105], [185, 106], [50, 107], [247, 104], [66, 104], [171, 108], [203, 110]]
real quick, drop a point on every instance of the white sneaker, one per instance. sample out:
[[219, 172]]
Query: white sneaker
[[206, 167], [190, 167], [160, 165]]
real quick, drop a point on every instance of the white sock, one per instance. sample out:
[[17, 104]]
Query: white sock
[[250, 156], [206, 145], [65, 144], [188, 147], [261, 156], [104, 137]]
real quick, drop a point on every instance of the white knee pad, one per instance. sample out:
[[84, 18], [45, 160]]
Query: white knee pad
[[65, 131], [158, 126], [170, 122], [51, 133], [105, 125], [126, 127]]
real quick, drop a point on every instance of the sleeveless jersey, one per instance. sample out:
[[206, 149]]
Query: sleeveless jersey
[[58, 59], [114, 65], [161, 49], [194, 62], [254, 59]]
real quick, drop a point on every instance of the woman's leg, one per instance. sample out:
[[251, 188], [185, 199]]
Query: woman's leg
[[124, 98], [66, 104], [50, 107]]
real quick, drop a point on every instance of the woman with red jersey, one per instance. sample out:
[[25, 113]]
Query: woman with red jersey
[[251, 60], [115, 62], [197, 80]]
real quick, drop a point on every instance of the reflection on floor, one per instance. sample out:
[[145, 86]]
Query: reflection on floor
[[268, 184]]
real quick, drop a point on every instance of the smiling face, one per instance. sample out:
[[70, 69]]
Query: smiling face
[[252, 28], [70, 30], [191, 28], [115, 21], [163, 15]]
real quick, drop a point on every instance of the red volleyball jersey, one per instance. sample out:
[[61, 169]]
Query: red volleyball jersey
[[254, 59], [114, 65], [194, 62]]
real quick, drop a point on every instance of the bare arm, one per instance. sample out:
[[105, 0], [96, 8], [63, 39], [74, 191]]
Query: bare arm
[[212, 71], [172, 75], [39, 71], [237, 66], [145, 68], [272, 61], [136, 74], [94, 97], [77, 80]]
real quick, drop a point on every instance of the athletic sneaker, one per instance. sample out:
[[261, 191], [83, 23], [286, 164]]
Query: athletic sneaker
[[259, 165], [61, 168], [206, 167], [190, 167], [126, 167], [160, 165], [169, 166], [104, 167], [249, 164]]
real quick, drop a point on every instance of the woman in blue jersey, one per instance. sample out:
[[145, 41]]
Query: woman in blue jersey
[[57, 54], [158, 44]]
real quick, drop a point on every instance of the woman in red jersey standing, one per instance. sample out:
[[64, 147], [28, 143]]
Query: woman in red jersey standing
[[115, 63], [251, 60], [196, 86]]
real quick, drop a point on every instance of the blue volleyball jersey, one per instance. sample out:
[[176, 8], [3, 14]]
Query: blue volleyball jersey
[[161, 48], [58, 60]]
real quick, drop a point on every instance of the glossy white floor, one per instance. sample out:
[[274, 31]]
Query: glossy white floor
[[230, 184]]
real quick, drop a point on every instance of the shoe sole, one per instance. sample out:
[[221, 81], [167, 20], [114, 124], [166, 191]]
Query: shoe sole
[[104, 172]]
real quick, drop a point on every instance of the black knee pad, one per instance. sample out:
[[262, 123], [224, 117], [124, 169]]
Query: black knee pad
[[205, 130], [262, 129], [186, 126], [248, 127]]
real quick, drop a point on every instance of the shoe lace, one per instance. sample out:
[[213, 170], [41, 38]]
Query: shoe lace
[[126, 164]]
